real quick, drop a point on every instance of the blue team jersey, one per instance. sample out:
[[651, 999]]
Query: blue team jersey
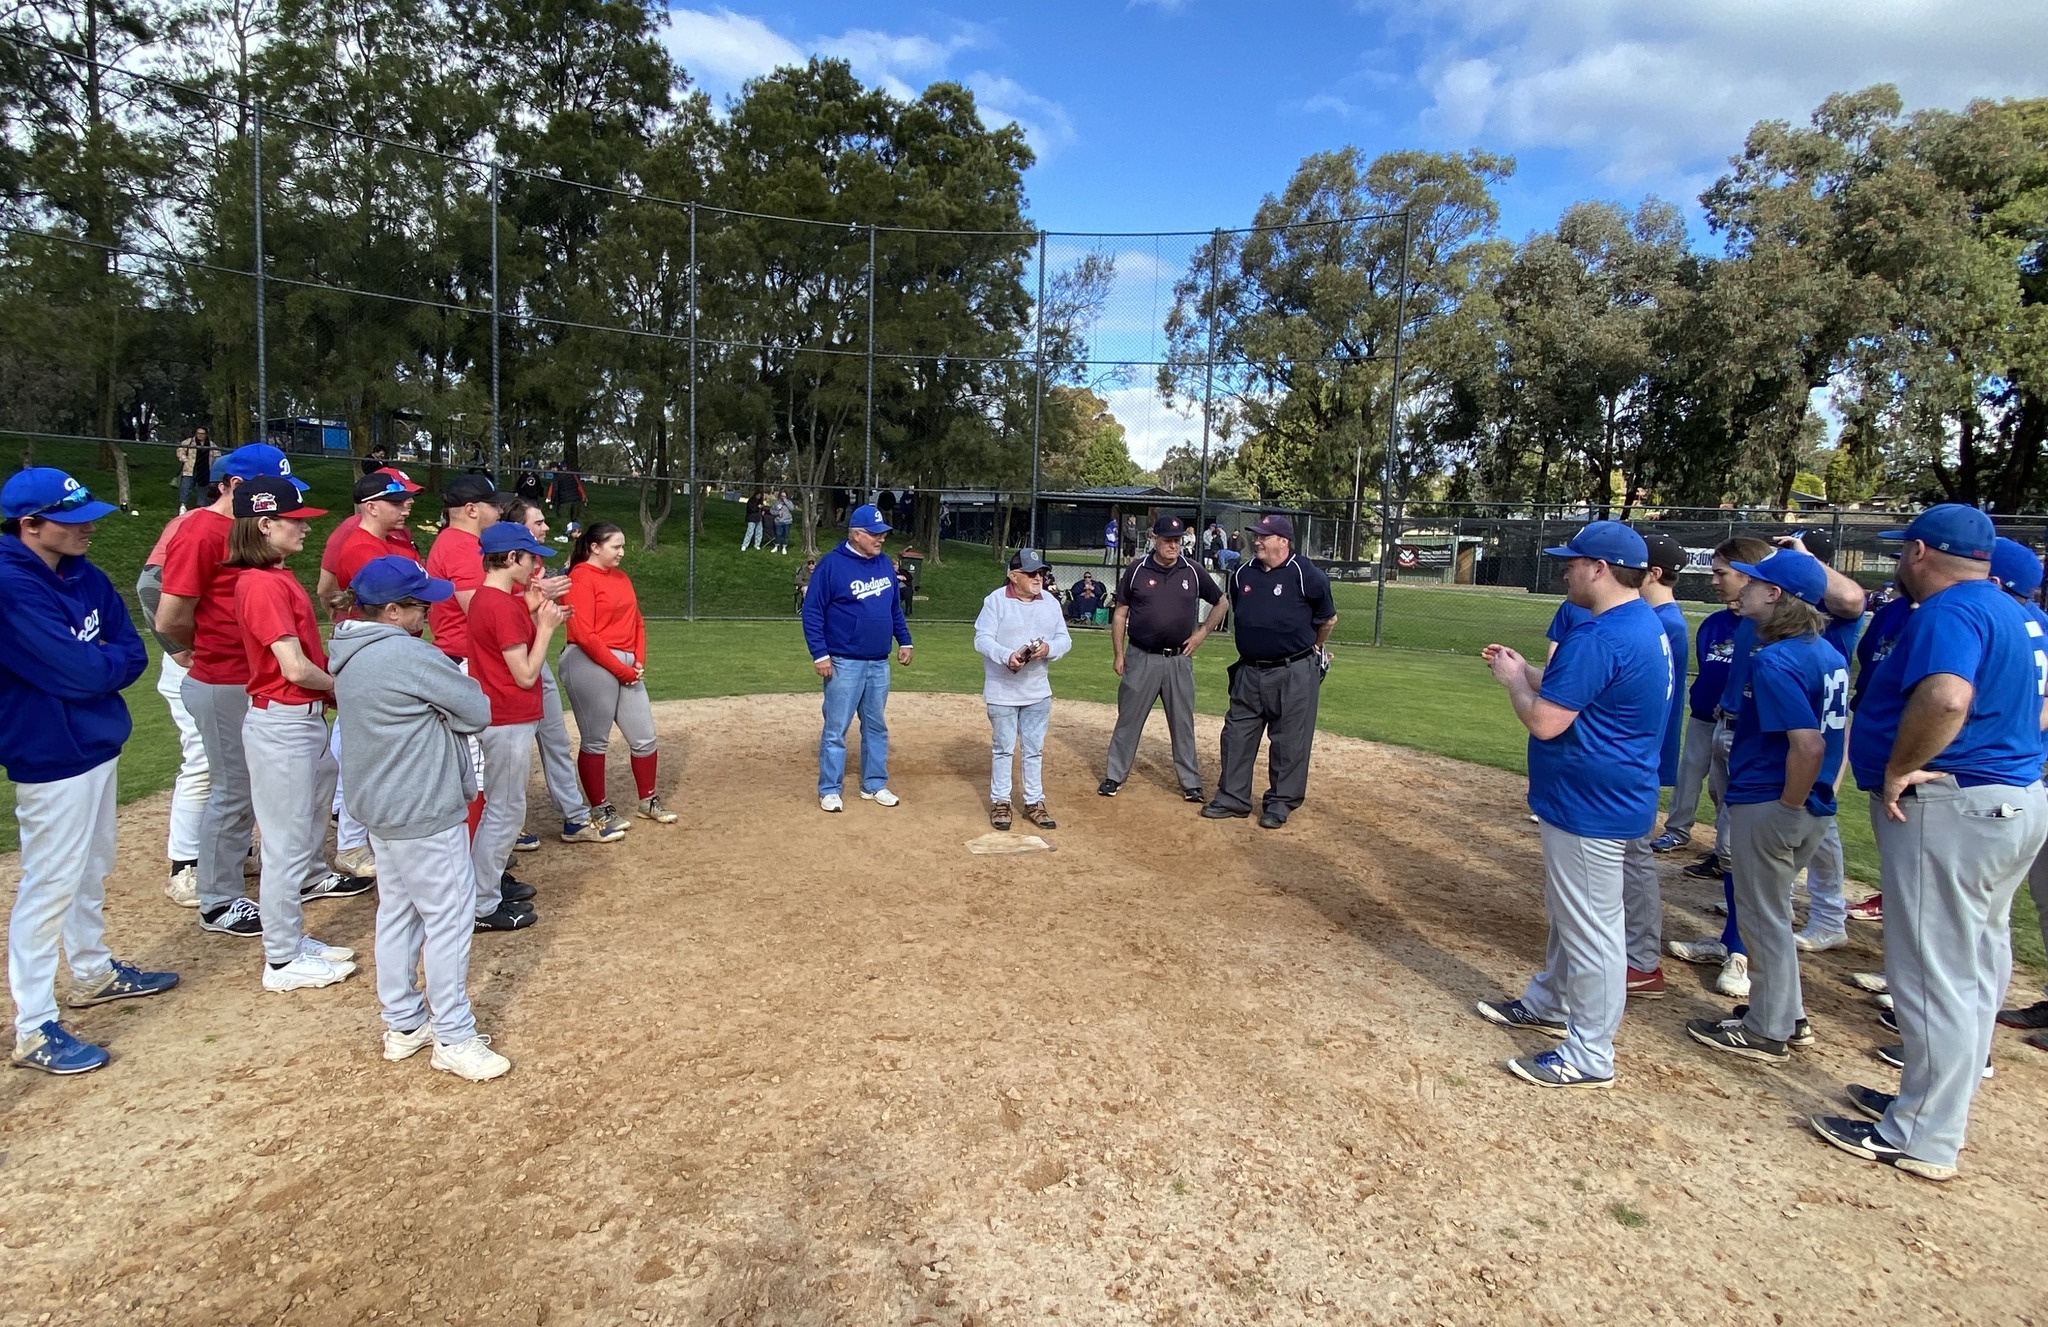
[[1795, 684], [1740, 649], [1843, 635], [1598, 778], [2037, 629], [1714, 648], [1876, 645], [1673, 618], [1567, 616], [1979, 633]]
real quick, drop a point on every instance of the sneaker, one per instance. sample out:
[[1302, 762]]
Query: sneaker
[[357, 861], [1882, 1001], [1036, 813], [400, 1045], [1515, 1014], [473, 1059], [652, 808], [1895, 1056], [334, 884], [1868, 1101], [1189, 795], [526, 843], [881, 797], [1108, 788], [1869, 910], [183, 887], [1646, 985], [1889, 1018], [54, 1051], [1670, 840], [1874, 982], [999, 815], [122, 982], [515, 891], [1860, 1138], [237, 918], [311, 948], [2033, 1016], [830, 802], [305, 973], [607, 815], [1733, 979], [1550, 1070], [1810, 941], [1706, 868], [1728, 1034], [1802, 1031], [508, 917], [1697, 951], [590, 831]]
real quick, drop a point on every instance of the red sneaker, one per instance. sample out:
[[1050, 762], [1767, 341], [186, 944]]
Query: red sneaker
[[1646, 985], [1869, 910]]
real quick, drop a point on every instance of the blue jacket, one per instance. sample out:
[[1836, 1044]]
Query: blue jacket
[[71, 651], [851, 608]]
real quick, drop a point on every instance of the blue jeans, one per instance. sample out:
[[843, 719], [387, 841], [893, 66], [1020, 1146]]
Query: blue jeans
[[1009, 724], [856, 686]]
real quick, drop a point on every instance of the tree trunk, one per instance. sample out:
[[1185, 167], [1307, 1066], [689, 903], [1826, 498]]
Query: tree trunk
[[658, 483]]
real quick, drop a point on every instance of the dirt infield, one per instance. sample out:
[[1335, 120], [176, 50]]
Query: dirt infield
[[778, 1067]]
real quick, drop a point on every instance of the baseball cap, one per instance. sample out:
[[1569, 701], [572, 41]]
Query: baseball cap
[[1666, 554], [1820, 543], [401, 476], [273, 495], [1953, 528], [387, 580], [465, 489], [1273, 523], [379, 486], [1798, 574], [255, 461], [2015, 566], [1606, 541], [50, 495], [1025, 559], [1169, 527], [511, 537], [869, 519]]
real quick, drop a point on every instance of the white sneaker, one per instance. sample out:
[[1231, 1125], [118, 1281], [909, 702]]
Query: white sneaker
[[473, 1059], [881, 797], [183, 887], [1734, 979], [1810, 941], [304, 973], [1874, 982], [311, 948], [357, 862], [1697, 951], [831, 802], [399, 1045], [1884, 1000]]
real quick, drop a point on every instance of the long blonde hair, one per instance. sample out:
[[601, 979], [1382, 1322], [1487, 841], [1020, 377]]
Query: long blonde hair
[[1791, 617]]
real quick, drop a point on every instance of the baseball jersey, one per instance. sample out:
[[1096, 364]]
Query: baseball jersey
[[457, 558], [1843, 635], [1877, 643], [193, 570], [498, 622], [1672, 617], [1796, 684], [1598, 778], [271, 605], [358, 549], [1714, 648], [1740, 652], [399, 537], [1279, 609], [1568, 616], [1979, 633], [1164, 603], [162, 548], [2037, 629]]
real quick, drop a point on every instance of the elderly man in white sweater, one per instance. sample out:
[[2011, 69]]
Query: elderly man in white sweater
[[1019, 632]]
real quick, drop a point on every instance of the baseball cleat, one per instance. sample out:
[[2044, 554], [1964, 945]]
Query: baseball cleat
[[1697, 951], [590, 831], [1515, 1014], [122, 982], [1802, 1031], [1860, 1138], [507, 917], [652, 808], [526, 843], [1882, 1001], [473, 1059], [237, 918], [1810, 941], [1895, 1056], [2039, 1041], [2033, 1016], [1108, 788], [880, 797], [1869, 910], [398, 1045], [1733, 979], [514, 891], [1869, 1101], [305, 973], [183, 886], [311, 948], [1550, 1069], [54, 1051], [334, 884], [1874, 982], [607, 815], [1730, 1036], [830, 802], [1646, 985], [357, 861], [1670, 841]]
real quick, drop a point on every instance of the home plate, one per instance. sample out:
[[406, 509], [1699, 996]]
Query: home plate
[[998, 843]]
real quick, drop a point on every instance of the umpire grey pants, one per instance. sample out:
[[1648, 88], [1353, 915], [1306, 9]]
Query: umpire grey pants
[[557, 761], [508, 763], [229, 818], [601, 700], [426, 908], [1695, 757], [1642, 905], [1768, 843], [289, 744], [1584, 982], [1279, 704], [1169, 679], [1949, 875]]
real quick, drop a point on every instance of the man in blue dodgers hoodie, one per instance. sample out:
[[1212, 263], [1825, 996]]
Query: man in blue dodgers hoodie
[[62, 726], [852, 614], [1596, 717]]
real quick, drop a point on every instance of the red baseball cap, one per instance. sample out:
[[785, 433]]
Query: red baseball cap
[[404, 479]]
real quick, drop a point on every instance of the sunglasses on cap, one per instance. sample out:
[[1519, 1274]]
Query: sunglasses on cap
[[72, 501]]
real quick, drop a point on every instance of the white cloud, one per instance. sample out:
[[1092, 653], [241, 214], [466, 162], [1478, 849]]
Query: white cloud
[[723, 50], [1045, 123], [1150, 425]]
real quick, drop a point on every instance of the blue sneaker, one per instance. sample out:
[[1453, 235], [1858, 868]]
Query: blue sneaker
[[1550, 1070], [122, 983], [1515, 1014], [590, 831], [54, 1051], [526, 843], [1670, 841]]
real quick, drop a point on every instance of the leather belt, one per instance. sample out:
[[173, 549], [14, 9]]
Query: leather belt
[[1281, 663], [1169, 651]]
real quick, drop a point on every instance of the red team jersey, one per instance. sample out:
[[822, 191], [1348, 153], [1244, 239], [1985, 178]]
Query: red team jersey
[[457, 558], [193, 570], [271, 605], [499, 622], [352, 553], [399, 539]]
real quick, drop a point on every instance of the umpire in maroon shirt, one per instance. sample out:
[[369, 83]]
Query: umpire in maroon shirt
[[1284, 615], [1159, 611]]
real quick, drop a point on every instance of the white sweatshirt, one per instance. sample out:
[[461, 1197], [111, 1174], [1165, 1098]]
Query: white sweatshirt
[[1006, 625]]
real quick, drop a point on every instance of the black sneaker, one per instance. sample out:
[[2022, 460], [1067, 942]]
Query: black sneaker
[[505, 919], [1197, 795], [2033, 1016], [1889, 1018], [1895, 1056], [1728, 1034], [237, 918], [1868, 1100], [1515, 1014], [1108, 788], [1860, 1138], [337, 884], [514, 891], [1802, 1031], [1706, 868], [1214, 812]]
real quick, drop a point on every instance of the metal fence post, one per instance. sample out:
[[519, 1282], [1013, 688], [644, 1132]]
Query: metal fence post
[[1037, 386], [1208, 379], [1379, 602], [1536, 555], [690, 592], [495, 429], [262, 353], [868, 471]]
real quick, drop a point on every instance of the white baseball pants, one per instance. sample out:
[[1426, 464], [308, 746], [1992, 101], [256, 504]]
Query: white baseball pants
[[426, 909], [188, 793], [289, 744], [67, 851]]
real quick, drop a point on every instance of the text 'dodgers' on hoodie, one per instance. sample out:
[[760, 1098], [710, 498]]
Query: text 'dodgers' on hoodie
[[405, 710], [71, 648], [852, 609]]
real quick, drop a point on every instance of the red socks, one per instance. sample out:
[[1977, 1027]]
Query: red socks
[[643, 774], [590, 772]]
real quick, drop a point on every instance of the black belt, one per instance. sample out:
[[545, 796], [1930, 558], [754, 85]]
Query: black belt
[[1281, 663], [1169, 651]]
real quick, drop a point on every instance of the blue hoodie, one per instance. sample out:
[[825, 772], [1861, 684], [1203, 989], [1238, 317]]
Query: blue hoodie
[[851, 608], [72, 651]]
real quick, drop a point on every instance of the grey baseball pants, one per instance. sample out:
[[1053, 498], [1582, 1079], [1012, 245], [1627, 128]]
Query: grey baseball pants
[[2037, 885], [1826, 908], [426, 908], [1584, 981], [1280, 705], [1768, 842], [1642, 905], [507, 764], [289, 744], [1695, 757], [557, 760], [1949, 875], [1169, 679], [601, 700], [229, 818]]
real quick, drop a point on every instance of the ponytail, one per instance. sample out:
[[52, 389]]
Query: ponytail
[[591, 535]]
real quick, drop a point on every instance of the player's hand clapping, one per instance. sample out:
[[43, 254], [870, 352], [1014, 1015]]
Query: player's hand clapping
[[550, 615], [1506, 663]]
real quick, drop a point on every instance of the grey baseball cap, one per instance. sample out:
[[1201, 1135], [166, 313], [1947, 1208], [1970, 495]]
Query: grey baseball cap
[[1025, 559]]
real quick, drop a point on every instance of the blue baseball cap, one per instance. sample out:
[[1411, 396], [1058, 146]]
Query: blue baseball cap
[[869, 519], [2015, 566], [512, 537], [1953, 528], [1798, 574], [1606, 541], [51, 495], [255, 461], [388, 579]]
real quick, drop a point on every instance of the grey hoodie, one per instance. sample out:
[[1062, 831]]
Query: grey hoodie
[[405, 709]]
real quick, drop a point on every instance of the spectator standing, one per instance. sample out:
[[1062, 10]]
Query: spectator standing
[[755, 512], [1110, 535], [566, 496], [782, 511], [195, 454], [852, 612]]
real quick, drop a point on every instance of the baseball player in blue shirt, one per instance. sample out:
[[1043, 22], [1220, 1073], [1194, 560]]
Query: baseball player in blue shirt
[[1948, 744], [2018, 573], [1596, 717]]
